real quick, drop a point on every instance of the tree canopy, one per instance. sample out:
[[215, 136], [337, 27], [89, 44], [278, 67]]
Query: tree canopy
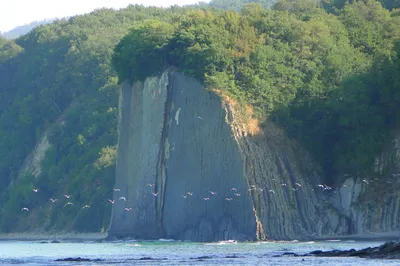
[[314, 72], [328, 72]]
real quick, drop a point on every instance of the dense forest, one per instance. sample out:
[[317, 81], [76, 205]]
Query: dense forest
[[329, 78], [327, 72]]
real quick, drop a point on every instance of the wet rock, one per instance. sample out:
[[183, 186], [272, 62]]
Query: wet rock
[[389, 250], [146, 258], [202, 258], [232, 257], [55, 241], [290, 254], [78, 259]]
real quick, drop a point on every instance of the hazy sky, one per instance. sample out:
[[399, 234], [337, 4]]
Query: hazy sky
[[15, 13]]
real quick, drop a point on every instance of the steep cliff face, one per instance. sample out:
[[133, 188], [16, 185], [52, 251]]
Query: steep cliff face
[[372, 203], [190, 168], [174, 142]]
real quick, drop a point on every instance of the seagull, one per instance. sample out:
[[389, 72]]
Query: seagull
[[86, 206], [122, 198], [150, 185], [190, 193], [116, 189], [228, 199], [237, 194], [53, 200], [212, 193], [184, 196], [35, 190], [272, 191], [128, 209], [67, 196], [261, 189], [68, 203], [155, 194], [206, 198], [283, 185], [234, 189], [25, 209], [299, 185], [324, 187], [199, 117], [111, 201], [365, 181]]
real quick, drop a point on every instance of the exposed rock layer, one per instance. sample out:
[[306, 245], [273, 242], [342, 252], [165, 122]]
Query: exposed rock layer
[[181, 143]]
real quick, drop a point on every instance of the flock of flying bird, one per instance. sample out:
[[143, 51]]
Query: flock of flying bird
[[187, 194], [54, 200]]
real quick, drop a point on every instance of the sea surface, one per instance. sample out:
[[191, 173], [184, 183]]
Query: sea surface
[[165, 252]]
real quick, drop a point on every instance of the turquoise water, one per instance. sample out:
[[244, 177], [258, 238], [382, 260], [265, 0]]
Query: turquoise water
[[180, 253]]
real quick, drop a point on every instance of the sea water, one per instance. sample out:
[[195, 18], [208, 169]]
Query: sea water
[[181, 253]]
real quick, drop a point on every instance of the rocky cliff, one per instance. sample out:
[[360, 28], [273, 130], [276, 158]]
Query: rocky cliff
[[190, 167]]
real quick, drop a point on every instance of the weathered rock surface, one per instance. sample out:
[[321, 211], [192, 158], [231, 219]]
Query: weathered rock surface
[[173, 142], [182, 142]]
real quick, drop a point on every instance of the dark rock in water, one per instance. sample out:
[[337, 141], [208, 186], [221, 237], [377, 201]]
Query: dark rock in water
[[146, 258], [389, 250], [232, 257], [44, 242], [78, 259], [202, 258], [290, 254], [55, 241]]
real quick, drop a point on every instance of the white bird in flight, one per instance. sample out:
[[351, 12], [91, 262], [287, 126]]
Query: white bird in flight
[[68, 203], [53, 200], [86, 206], [155, 194], [122, 198], [111, 201], [212, 193], [67, 196], [35, 190], [116, 189], [25, 209]]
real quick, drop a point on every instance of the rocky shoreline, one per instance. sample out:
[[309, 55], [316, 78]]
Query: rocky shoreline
[[389, 250]]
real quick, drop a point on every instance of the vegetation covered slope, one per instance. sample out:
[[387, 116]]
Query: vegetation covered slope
[[330, 79], [303, 65], [57, 82]]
